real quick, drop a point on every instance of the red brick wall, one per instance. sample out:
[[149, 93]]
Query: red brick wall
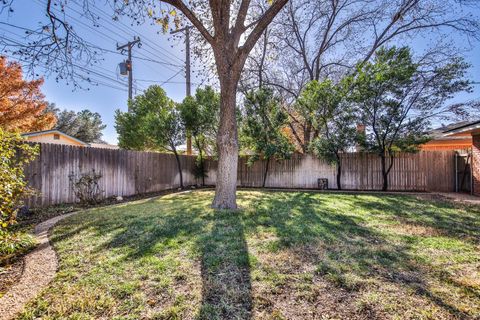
[[476, 164]]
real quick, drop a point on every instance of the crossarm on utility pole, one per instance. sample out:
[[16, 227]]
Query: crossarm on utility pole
[[128, 46]]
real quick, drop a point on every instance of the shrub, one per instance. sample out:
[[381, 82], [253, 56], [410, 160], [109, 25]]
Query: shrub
[[15, 153], [86, 187], [14, 244]]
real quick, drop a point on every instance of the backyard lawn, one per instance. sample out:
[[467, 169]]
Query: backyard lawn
[[283, 255]]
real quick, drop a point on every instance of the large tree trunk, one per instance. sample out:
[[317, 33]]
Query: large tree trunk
[[227, 144]]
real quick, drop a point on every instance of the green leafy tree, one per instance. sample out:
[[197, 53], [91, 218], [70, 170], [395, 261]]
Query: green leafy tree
[[14, 155], [333, 120], [153, 123], [397, 98], [262, 128], [200, 115], [83, 125]]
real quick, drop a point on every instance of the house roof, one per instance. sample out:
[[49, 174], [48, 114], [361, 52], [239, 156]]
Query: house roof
[[439, 133], [104, 146], [466, 129], [39, 133]]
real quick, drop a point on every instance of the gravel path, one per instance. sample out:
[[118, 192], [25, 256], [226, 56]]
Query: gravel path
[[39, 269]]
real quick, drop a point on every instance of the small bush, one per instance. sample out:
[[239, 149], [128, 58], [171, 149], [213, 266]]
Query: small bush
[[15, 243], [86, 187]]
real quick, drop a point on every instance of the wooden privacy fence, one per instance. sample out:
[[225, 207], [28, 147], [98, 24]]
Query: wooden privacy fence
[[423, 171], [126, 173]]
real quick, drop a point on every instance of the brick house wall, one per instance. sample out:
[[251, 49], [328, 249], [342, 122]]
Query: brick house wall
[[476, 164]]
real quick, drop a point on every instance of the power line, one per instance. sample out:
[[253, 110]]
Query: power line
[[93, 45], [116, 33], [102, 34], [91, 72], [84, 69], [166, 81], [29, 30], [94, 82], [134, 32]]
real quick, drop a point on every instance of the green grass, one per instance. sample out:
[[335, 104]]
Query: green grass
[[282, 256]]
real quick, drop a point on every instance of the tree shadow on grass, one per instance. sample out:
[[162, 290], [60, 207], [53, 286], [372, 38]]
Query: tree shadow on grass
[[338, 244], [226, 283], [448, 219], [344, 249], [157, 227]]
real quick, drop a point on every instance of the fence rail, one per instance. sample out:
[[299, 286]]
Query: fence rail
[[126, 173]]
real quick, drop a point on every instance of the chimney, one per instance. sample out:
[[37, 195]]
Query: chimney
[[361, 131]]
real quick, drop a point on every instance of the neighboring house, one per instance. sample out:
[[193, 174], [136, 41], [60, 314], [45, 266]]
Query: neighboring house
[[441, 141], [58, 137], [54, 136], [471, 130]]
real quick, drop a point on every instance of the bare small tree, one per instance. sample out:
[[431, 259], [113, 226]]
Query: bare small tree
[[86, 187]]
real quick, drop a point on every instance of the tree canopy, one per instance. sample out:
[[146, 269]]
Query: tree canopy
[[153, 123], [22, 104], [262, 128], [200, 115], [396, 99], [325, 105], [84, 125]]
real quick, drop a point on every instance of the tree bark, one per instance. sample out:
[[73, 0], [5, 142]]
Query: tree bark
[[384, 172], [265, 173], [227, 144], [200, 155], [202, 167], [339, 174], [179, 166]]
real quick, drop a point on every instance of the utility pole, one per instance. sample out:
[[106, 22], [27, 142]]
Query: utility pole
[[188, 83], [128, 46]]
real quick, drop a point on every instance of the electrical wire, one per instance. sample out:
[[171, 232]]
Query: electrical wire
[[126, 27], [103, 34]]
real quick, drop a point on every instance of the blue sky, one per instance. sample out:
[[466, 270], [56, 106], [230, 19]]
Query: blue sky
[[167, 65], [168, 55]]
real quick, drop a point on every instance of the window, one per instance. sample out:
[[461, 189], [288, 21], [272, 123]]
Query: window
[[56, 136]]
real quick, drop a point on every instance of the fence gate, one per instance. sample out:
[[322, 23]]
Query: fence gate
[[463, 172]]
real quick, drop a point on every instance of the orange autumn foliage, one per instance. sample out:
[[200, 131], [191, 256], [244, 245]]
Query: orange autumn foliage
[[22, 104]]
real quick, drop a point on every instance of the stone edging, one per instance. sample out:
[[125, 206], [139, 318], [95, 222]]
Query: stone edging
[[39, 269]]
